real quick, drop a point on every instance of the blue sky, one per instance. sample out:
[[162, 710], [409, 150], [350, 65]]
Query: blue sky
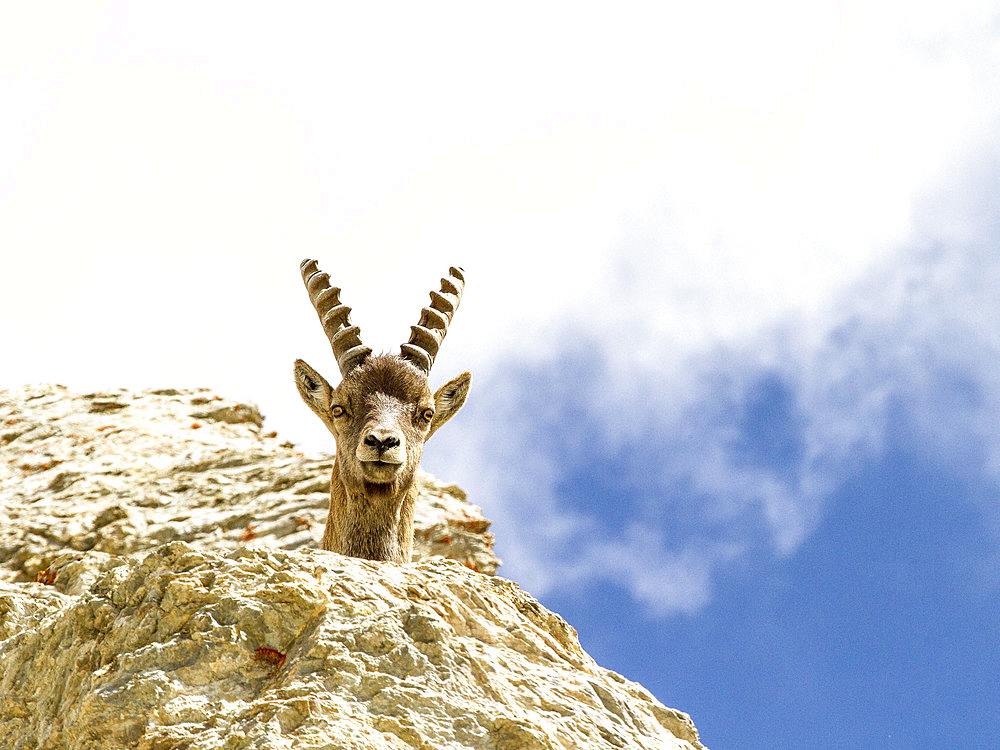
[[731, 308], [818, 565]]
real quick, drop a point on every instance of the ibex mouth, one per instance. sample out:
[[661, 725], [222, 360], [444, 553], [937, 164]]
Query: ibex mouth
[[380, 471]]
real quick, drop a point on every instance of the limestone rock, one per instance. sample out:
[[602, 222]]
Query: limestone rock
[[137, 612], [122, 472], [260, 648]]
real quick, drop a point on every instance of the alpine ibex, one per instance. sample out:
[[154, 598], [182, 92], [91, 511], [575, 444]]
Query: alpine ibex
[[381, 414]]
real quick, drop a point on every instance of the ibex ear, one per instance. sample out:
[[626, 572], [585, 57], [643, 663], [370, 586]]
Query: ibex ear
[[315, 391], [449, 399]]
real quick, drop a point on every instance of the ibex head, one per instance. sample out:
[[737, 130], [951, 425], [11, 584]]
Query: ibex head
[[381, 414]]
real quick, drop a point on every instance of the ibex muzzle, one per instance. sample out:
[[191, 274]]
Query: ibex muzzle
[[381, 415]]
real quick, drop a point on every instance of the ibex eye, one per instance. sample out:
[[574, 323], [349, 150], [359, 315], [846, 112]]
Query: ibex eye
[[428, 415], [338, 411]]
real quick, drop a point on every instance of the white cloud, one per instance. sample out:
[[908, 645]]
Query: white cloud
[[681, 185], [906, 354]]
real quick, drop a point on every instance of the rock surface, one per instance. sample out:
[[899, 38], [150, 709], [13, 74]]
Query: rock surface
[[161, 587], [121, 472]]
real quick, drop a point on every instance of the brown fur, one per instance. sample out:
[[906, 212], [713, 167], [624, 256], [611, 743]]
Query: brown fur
[[373, 491]]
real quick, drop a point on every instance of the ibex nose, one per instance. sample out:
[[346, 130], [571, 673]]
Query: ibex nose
[[381, 440]]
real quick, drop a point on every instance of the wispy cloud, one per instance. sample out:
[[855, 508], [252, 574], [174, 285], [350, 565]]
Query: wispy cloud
[[657, 476], [686, 312]]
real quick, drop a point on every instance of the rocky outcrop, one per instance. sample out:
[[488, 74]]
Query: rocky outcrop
[[121, 472], [161, 587]]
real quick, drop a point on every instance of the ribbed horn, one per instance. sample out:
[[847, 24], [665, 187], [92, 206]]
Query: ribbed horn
[[334, 317], [427, 335]]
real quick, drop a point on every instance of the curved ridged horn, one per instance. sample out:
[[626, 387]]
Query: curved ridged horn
[[426, 336], [335, 318]]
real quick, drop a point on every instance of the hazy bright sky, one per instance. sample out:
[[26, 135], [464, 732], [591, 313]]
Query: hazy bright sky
[[731, 307]]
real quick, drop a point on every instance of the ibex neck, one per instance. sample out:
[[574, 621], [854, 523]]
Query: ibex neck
[[371, 527], [370, 524]]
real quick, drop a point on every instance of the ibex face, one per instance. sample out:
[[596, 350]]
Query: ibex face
[[381, 414]]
